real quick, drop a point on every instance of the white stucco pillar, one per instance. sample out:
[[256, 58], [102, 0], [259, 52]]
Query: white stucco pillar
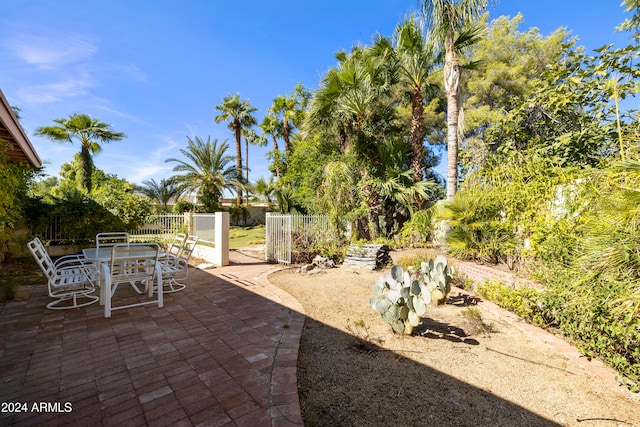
[[221, 250]]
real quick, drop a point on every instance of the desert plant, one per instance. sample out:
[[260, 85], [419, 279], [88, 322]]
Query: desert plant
[[401, 299], [437, 275]]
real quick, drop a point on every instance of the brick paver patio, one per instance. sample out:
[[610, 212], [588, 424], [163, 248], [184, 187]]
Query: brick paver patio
[[220, 353]]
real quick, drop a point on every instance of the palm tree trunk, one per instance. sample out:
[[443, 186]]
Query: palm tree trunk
[[86, 168], [418, 132], [451, 82], [238, 162], [246, 162], [276, 156], [285, 134]]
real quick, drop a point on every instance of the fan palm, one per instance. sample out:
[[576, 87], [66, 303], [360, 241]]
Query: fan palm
[[264, 191], [161, 192], [90, 132], [239, 114], [272, 127], [414, 60], [206, 171]]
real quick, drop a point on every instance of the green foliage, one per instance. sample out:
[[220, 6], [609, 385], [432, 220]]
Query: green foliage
[[477, 227], [182, 206], [402, 297], [15, 179], [510, 65], [205, 169], [90, 132], [417, 231], [525, 302]]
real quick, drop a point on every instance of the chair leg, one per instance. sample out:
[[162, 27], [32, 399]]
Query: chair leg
[[53, 305]]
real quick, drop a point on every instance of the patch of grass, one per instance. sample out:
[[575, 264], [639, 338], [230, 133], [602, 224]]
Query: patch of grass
[[246, 236]]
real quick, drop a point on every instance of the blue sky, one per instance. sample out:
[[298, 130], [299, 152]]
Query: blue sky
[[155, 70]]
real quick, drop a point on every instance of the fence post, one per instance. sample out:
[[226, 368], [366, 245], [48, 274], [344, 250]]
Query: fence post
[[188, 220], [221, 240]]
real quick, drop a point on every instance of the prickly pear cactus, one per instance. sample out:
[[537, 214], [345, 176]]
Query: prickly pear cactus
[[401, 299], [402, 296], [437, 275]]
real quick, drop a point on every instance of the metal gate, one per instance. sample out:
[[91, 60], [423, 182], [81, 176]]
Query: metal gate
[[278, 239], [279, 230]]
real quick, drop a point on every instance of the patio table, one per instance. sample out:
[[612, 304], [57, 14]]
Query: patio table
[[101, 256]]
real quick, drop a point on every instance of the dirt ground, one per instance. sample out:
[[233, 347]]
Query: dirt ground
[[464, 366]]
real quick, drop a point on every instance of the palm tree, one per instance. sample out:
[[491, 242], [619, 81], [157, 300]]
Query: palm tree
[[263, 191], [414, 60], [161, 193], [285, 107], [90, 132], [272, 127], [239, 115], [446, 20], [352, 100], [206, 171]]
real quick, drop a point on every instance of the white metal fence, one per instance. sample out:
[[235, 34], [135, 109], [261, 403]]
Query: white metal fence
[[161, 227], [280, 229]]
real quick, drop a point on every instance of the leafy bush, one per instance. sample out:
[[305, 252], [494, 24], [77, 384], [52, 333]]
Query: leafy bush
[[477, 227], [418, 230]]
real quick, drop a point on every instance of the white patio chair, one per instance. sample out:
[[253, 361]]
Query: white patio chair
[[111, 238], [176, 268], [176, 246], [135, 262], [70, 278]]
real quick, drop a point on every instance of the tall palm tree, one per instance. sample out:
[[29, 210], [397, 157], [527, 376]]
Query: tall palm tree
[[206, 171], [352, 99], [161, 192], [90, 132], [414, 59], [239, 114], [272, 127], [446, 20], [284, 107]]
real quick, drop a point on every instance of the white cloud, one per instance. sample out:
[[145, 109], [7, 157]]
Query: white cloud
[[55, 92], [49, 53]]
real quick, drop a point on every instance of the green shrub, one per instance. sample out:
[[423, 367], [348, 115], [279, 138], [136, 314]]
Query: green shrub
[[417, 232]]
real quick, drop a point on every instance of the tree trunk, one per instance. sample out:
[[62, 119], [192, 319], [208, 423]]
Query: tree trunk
[[276, 156], [86, 168], [246, 161], [451, 82], [418, 132], [285, 135], [238, 130]]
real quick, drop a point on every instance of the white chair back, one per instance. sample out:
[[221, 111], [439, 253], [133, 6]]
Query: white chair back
[[111, 238], [175, 248], [130, 263], [176, 268], [42, 257]]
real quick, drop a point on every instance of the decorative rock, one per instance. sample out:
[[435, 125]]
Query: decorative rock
[[369, 255], [323, 262]]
